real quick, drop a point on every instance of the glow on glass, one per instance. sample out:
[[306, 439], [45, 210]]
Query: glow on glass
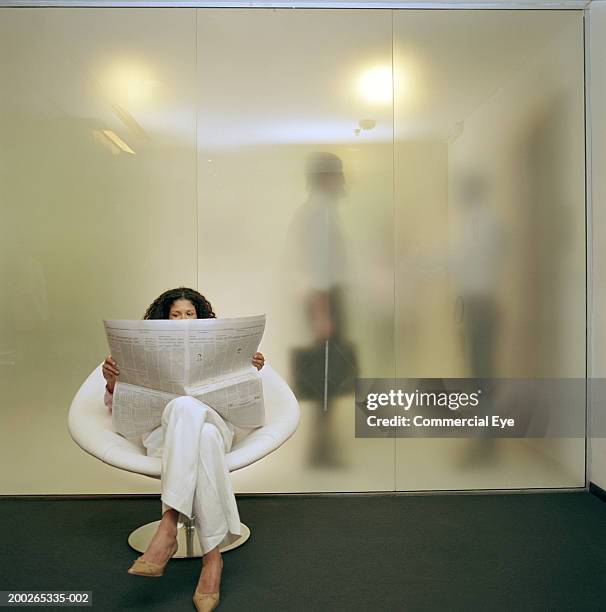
[[376, 84], [131, 85], [118, 141]]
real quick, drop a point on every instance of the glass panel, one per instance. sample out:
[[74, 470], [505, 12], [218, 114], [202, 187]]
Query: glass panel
[[98, 213], [289, 209], [287, 117], [597, 306], [489, 195]]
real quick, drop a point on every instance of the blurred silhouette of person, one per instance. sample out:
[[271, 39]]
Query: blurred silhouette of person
[[478, 272], [326, 368]]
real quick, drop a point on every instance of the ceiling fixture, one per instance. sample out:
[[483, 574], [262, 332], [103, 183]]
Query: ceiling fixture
[[376, 85], [115, 139]]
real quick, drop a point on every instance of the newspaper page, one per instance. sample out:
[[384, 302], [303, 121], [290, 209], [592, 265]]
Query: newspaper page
[[150, 353], [209, 359], [220, 368], [137, 410]]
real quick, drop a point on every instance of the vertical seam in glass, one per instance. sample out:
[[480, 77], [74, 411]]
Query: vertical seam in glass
[[395, 234], [588, 239], [196, 109]]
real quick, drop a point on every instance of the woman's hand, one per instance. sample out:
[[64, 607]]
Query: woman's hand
[[110, 372], [258, 360]]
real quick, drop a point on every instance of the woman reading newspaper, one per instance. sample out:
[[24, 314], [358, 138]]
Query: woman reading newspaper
[[192, 442]]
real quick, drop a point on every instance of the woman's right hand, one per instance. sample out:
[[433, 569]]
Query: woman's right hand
[[110, 372]]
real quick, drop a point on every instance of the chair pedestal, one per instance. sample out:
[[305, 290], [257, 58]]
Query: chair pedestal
[[189, 545]]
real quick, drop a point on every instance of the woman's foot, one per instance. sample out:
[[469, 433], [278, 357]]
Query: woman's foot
[[162, 544], [161, 547], [210, 577]]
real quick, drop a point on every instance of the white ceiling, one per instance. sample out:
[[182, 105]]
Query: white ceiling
[[267, 76], [519, 4]]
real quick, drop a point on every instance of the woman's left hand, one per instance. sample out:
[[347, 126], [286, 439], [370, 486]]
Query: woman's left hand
[[258, 360]]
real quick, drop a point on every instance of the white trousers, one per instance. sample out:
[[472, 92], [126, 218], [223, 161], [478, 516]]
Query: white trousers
[[192, 441]]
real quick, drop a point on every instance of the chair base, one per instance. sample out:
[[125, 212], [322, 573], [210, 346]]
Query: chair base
[[189, 545]]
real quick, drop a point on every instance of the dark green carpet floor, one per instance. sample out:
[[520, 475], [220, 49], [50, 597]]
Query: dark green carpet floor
[[544, 551]]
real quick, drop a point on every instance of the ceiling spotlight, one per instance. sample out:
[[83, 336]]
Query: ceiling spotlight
[[376, 85]]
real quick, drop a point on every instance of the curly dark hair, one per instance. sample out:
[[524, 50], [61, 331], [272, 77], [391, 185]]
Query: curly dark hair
[[160, 307]]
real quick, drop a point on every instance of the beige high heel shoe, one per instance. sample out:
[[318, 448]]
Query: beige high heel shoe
[[205, 602], [143, 567]]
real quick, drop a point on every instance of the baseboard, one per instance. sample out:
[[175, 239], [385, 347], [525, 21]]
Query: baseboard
[[77, 496], [67, 496], [597, 491]]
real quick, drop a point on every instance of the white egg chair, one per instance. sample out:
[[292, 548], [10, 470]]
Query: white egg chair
[[90, 426]]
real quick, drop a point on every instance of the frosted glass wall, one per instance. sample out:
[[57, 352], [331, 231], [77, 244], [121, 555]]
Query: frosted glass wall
[[89, 230], [490, 218], [295, 218], [269, 159]]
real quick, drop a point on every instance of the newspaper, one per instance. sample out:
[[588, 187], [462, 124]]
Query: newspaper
[[209, 359]]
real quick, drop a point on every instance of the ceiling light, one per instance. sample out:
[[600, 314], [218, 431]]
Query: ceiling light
[[376, 85]]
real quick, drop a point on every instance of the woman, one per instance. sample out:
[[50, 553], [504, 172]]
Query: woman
[[192, 435]]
